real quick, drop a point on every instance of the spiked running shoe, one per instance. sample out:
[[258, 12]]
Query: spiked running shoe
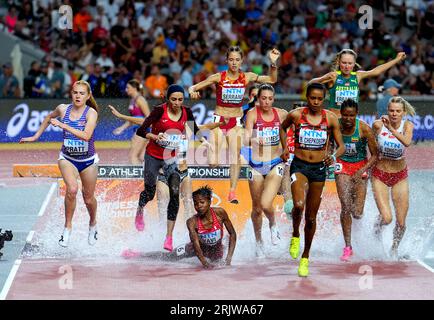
[[294, 248], [303, 268]]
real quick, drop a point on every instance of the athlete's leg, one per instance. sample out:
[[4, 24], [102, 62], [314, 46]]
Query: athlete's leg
[[313, 201], [345, 189], [256, 186], [70, 174], [381, 196], [88, 179], [136, 149], [234, 149], [400, 193]]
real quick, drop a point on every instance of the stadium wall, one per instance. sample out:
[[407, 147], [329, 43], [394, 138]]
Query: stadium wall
[[22, 117]]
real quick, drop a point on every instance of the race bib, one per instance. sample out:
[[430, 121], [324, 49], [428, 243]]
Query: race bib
[[76, 147], [172, 142], [233, 95], [350, 149], [338, 167], [269, 136], [313, 138], [279, 170], [343, 95]]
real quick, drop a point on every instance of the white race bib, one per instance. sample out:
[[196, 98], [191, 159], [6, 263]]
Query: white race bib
[[315, 138], [76, 147], [235, 95]]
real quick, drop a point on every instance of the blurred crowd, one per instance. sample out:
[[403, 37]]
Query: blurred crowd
[[160, 42]]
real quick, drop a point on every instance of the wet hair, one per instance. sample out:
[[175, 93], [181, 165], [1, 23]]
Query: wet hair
[[315, 85], [350, 103], [408, 108], [337, 59], [263, 87], [91, 101], [234, 49], [204, 191], [136, 85]]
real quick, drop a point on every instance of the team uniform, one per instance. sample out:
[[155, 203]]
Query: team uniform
[[314, 138], [210, 240], [230, 94], [163, 154], [79, 152], [355, 156], [343, 88], [392, 149], [135, 110], [269, 133]]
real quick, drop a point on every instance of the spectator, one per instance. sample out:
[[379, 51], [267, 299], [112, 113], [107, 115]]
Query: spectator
[[391, 87], [30, 79], [9, 86], [10, 20], [417, 67], [156, 83]]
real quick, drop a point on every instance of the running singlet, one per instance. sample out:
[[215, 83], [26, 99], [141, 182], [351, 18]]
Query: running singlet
[[290, 141], [210, 236], [309, 136], [134, 109], [230, 93], [389, 146], [267, 131], [73, 146], [343, 89], [175, 132], [355, 146]]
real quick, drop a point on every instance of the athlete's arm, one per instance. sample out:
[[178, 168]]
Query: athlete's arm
[[250, 121], [282, 115], [143, 105], [376, 126], [289, 120], [372, 145], [193, 91], [45, 123], [191, 225], [231, 230], [328, 79], [153, 117], [86, 134], [406, 136], [381, 68], [337, 135], [131, 120]]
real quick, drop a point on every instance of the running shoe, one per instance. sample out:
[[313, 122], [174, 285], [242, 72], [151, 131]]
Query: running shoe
[[303, 268], [232, 198], [93, 235], [348, 252], [260, 253], [294, 248], [64, 238], [275, 235], [139, 222], [168, 244]]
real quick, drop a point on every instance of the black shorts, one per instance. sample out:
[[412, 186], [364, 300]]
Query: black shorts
[[182, 174], [314, 172]]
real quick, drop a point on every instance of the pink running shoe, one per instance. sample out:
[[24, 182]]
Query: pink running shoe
[[129, 253], [232, 198], [348, 252], [168, 243], [140, 223]]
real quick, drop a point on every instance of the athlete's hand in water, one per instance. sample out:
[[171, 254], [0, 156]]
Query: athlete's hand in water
[[401, 56], [56, 123], [274, 55], [28, 139], [285, 156]]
